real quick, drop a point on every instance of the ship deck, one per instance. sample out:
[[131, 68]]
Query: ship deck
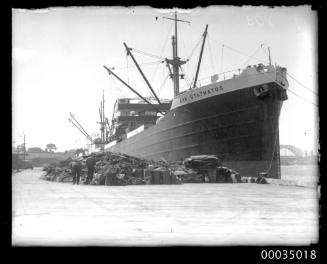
[[51, 213]]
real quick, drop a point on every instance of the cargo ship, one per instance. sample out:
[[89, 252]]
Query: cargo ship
[[236, 119]]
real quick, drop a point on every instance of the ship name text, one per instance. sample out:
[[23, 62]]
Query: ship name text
[[199, 94]]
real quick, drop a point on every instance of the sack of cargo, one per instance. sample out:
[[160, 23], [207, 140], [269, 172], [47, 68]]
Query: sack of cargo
[[138, 173], [202, 162], [225, 174]]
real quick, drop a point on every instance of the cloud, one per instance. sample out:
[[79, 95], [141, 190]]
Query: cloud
[[23, 54]]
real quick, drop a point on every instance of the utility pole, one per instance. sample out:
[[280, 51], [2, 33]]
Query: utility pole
[[24, 147], [18, 152], [269, 56], [103, 121]]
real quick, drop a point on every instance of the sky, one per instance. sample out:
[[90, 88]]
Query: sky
[[58, 56]]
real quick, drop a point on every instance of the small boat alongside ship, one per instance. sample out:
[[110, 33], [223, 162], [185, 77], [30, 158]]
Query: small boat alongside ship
[[236, 119]]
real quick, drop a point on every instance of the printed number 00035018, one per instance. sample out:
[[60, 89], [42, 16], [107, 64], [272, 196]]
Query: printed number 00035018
[[288, 254]]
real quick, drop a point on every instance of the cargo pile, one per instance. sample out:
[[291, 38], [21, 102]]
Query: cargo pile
[[121, 169], [225, 174], [207, 168], [115, 169]]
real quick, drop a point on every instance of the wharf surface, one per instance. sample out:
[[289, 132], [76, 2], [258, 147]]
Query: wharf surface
[[60, 214]]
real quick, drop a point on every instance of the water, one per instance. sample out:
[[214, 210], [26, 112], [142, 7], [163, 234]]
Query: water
[[302, 175]]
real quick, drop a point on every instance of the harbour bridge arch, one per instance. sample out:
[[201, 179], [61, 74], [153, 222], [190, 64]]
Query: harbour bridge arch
[[296, 151]]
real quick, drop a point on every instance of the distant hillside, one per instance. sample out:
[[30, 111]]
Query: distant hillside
[[41, 158]]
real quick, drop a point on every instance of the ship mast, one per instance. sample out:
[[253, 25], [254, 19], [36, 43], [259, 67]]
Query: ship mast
[[176, 62], [200, 58]]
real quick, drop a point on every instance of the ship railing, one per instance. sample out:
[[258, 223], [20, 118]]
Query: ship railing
[[219, 77], [223, 76], [150, 99]]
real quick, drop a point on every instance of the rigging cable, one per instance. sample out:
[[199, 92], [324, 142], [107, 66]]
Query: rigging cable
[[192, 52], [133, 79], [274, 148], [302, 84], [186, 51], [146, 53], [142, 64], [305, 87], [292, 91], [294, 79], [222, 57], [181, 35], [251, 57], [243, 54], [115, 84], [186, 78], [235, 50], [162, 85], [301, 97], [264, 50], [211, 57], [127, 68], [161, 52]]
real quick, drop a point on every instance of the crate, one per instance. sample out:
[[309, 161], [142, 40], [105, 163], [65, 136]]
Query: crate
[[163, 177], [211, 174], [110, 179], [148, 176], [157, 177], [139, 173], [166, 177]]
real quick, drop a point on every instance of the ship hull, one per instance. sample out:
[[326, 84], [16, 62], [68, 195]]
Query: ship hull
[[239, 127]]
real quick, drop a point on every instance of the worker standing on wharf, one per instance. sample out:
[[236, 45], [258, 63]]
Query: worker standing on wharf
[[76, 167], [90, 163]]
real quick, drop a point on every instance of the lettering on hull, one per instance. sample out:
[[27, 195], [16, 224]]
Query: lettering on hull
[[199, 94]]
